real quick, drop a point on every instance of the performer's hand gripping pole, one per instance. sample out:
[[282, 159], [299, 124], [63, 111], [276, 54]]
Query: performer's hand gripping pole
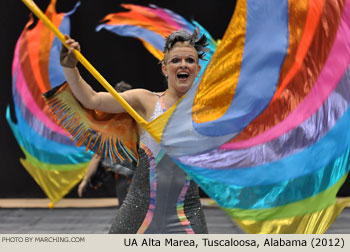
[[35, 9]]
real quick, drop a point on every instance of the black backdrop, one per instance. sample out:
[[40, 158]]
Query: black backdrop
[[116, 58]]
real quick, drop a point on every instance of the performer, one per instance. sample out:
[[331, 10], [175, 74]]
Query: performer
[[162, 198], [100, 170]]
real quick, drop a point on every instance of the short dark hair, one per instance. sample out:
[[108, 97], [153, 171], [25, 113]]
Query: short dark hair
[[122, 86], [192, 39]]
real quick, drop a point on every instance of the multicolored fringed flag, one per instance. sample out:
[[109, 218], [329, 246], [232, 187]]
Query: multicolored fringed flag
[[51, 157], [265, 130]]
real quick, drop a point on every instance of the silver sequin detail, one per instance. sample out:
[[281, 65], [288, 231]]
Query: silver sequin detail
[[135, 206], [146, 138]]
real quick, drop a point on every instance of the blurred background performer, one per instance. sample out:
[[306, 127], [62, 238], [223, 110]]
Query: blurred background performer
[[99, 171]]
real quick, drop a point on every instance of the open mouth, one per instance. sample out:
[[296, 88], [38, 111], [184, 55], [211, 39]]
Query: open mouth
[[183, 76]]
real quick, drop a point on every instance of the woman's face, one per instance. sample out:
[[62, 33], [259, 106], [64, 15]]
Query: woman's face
[[181, 66]]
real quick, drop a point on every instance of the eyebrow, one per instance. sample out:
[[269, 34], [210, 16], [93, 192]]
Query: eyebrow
[[180, 56]]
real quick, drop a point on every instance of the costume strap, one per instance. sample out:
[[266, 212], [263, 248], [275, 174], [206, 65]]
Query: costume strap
[[162, 104]]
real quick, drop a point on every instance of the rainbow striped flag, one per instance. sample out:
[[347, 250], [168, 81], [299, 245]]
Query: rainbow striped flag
[[265, 130], [51, 158], [151, 25]]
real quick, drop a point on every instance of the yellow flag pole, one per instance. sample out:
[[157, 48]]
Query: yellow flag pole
[[35, 9]]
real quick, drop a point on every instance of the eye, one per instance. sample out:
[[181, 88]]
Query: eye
[[175, 60], [190, 60]]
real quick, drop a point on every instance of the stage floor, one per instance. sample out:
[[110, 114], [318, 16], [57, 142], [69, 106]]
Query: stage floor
[[94, 216]]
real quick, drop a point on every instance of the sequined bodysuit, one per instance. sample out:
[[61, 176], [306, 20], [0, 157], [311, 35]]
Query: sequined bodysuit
[[161, 198]]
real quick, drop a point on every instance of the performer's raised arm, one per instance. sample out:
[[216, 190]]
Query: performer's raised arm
[[89, 98]]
